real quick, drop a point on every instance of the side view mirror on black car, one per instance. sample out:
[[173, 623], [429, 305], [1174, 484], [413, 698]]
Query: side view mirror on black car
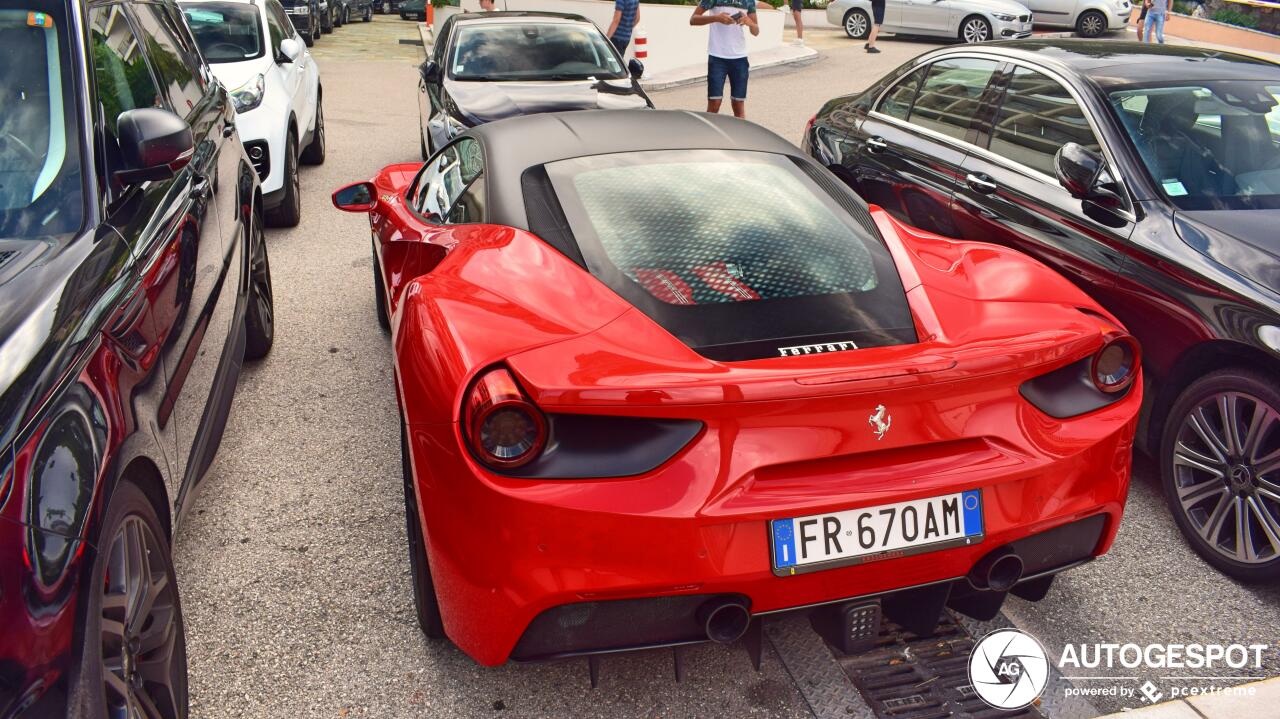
[[154, 144], [1083, 172], [636, 68], [430, 71]]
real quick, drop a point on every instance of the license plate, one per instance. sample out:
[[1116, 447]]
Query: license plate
[[868, 534]]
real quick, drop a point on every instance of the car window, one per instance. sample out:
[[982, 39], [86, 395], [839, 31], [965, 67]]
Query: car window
[[532, 51], [950, 95], [278, 26], [122, 80], [469, 206], [898, 100], [683, 237], [41, 179], [1036, 117], [176, 67], [1208, 145], [225, 32], [445, 178]]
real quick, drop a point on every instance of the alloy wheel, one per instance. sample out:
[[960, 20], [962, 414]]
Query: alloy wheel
[[1091, 25], [1226, 465], [260, 276], [975, 30], [855, 25], [139, 628]]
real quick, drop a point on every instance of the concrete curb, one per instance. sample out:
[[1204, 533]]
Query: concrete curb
[[1248, 703], [691, 74]]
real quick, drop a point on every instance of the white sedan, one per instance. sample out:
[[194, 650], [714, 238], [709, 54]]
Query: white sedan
[[254, 51], [967, 20]]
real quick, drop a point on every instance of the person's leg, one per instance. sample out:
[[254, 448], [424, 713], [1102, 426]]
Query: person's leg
[[621, 45], [796, 7], [738, 71], [877, 11], [1160, 28], [716, 71]]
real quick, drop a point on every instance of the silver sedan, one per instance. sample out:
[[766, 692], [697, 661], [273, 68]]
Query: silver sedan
[[967, 20]]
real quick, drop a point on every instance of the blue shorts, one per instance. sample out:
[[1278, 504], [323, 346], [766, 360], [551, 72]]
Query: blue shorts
[[736, 69]]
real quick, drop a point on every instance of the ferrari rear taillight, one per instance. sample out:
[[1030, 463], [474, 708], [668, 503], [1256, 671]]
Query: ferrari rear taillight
[[1116, 364], [504, 428]]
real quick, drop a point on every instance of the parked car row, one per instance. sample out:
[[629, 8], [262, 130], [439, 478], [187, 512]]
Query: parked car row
[[973, 21], [314, 18]]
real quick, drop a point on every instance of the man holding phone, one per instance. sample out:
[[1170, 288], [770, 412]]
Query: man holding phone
[[727, 49]]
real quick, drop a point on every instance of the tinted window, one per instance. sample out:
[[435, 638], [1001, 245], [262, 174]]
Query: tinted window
[[122, 80], [225, 32], [41, 183], [278, 24], [1037, 117], [688, 238], [527, 51], [1208, 146], [445, 177], [897, 102], [950, 95], [176, 68]]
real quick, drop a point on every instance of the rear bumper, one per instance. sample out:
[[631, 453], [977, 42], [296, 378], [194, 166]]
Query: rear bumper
[[504, 551]]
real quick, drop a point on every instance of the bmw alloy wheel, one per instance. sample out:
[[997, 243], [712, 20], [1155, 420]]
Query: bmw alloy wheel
[[1226, 466], [976, 30], [855, 25]]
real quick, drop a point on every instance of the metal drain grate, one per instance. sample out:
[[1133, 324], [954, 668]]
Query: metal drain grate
[[904, 676]]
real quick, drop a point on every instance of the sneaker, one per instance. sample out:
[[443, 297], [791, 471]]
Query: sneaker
[[798, 42], [872, 49]]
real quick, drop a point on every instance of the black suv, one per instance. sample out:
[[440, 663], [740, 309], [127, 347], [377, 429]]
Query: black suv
[[305, 15], [133, 285]]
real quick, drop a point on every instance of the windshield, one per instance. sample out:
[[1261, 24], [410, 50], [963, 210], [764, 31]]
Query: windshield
[[41, 185], [528, 51], [740, 255], [1208, 146], [225, 32]]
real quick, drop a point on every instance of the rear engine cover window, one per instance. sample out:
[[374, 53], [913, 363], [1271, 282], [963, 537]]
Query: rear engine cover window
[[738, 254]]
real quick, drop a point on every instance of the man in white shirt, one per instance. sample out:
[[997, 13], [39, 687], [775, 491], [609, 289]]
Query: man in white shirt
[[727, 49]]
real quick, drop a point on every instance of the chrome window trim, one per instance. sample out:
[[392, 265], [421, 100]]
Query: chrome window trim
[[1126, 212]]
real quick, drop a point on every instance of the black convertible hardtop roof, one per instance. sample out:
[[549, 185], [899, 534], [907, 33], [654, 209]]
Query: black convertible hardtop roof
[[469, 17], [516, 144]]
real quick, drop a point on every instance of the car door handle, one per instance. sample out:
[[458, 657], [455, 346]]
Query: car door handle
[[876, 144], [200, 188], [981, 183]]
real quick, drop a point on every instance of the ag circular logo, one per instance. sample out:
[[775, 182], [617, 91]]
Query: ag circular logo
[[1008, 669]]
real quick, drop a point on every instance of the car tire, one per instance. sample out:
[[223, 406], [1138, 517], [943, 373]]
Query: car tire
[[315, 29], [975, 29], [368, 14], [337, 20], [379, 292], [1200, 469], [118, 645], [315, 152], [403, 16], [289, 212], [425, 603], [857, 24], [260, 315], [1091, 23]]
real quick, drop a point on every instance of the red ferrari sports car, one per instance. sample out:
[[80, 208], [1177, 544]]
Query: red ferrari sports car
[[660, 374]]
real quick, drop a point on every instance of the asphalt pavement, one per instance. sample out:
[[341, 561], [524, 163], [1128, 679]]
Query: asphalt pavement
[[293, 566]]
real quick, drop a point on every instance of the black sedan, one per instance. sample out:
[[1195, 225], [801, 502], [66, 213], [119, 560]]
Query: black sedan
[[1148, 175], [487, 66]]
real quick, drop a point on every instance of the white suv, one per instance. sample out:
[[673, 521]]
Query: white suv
[[253, 49]]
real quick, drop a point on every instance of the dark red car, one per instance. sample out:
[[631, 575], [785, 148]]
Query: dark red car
[[659, 374]]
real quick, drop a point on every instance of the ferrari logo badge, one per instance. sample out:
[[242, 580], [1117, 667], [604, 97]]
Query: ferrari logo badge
[[880, 421]]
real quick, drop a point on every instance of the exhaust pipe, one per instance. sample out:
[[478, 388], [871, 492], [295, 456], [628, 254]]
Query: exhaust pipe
[[724, 620], [998, 571]]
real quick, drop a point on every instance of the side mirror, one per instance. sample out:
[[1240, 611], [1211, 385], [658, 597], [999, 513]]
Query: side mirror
[[154, 144], [290, 49], [1083, 173], [431, 71], [636, 68], [356, 197]]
